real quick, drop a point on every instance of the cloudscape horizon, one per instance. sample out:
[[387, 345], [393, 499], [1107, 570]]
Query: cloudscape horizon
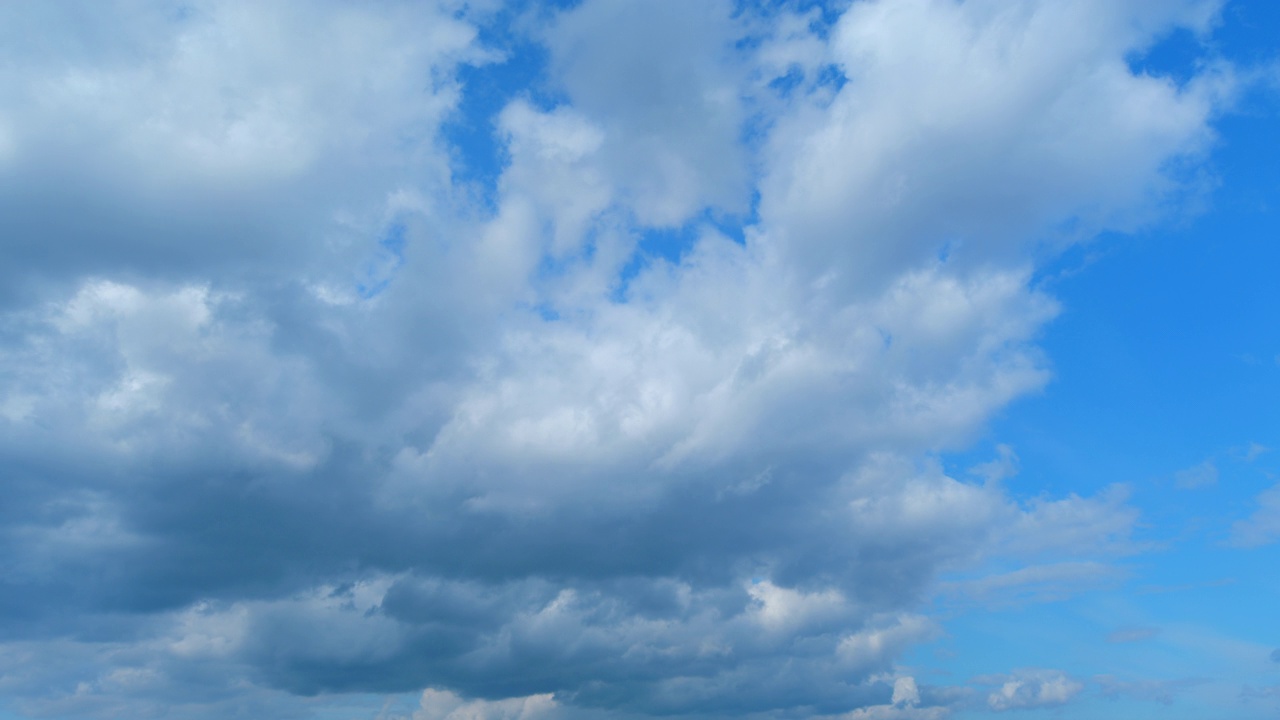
[[622, 359]]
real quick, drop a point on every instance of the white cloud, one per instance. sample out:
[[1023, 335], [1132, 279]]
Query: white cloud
[[1032, 689], [444, 705], [224, 136], [673, 118], [1039, 583], [1132, 634], [1004, 466], [1263, 526], [1203, 475], [993, 125], [904, 705]]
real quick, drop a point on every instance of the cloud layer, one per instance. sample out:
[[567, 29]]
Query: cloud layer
[[287, 408]]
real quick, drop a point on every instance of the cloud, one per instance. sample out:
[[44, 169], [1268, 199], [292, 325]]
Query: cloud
[[289, 413], [1251, 452], [1132, 634], [1263, 526], [1268, 692], [1275, 655], [1026, 143], [1159, 691], [1001, 468], [905, 704], [444, 705], [1032, 689], [1036, 583], [674, 118], [218, 140], [1203, 475]]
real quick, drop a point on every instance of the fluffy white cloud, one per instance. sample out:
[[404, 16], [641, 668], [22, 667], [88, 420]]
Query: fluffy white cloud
[[673, 117], [444, 705], [996, 128]]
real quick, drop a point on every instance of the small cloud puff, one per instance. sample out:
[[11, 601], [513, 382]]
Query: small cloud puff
[[1033, 689], [1203, 475], [1263, 527], [905, 705], [444, 705]]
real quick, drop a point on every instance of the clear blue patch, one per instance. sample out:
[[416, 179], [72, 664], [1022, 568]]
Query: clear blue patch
[[381, 270], [787, 84], [479, 155], [370, 291], [833, 77], [829, 11], [1246, 36], [546, 312], [672, 244], [1177, 56]]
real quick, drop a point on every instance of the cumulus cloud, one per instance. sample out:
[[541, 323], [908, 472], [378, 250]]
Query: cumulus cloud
[[218, 138], [1032, 689], [1008, 151], [287, 412]]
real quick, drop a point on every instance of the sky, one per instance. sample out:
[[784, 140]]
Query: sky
[[622, 359]]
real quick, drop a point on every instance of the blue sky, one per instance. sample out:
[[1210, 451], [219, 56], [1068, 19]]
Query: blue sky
[[453, 360]]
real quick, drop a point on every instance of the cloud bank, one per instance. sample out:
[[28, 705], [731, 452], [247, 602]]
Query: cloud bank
[[289, 408]]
